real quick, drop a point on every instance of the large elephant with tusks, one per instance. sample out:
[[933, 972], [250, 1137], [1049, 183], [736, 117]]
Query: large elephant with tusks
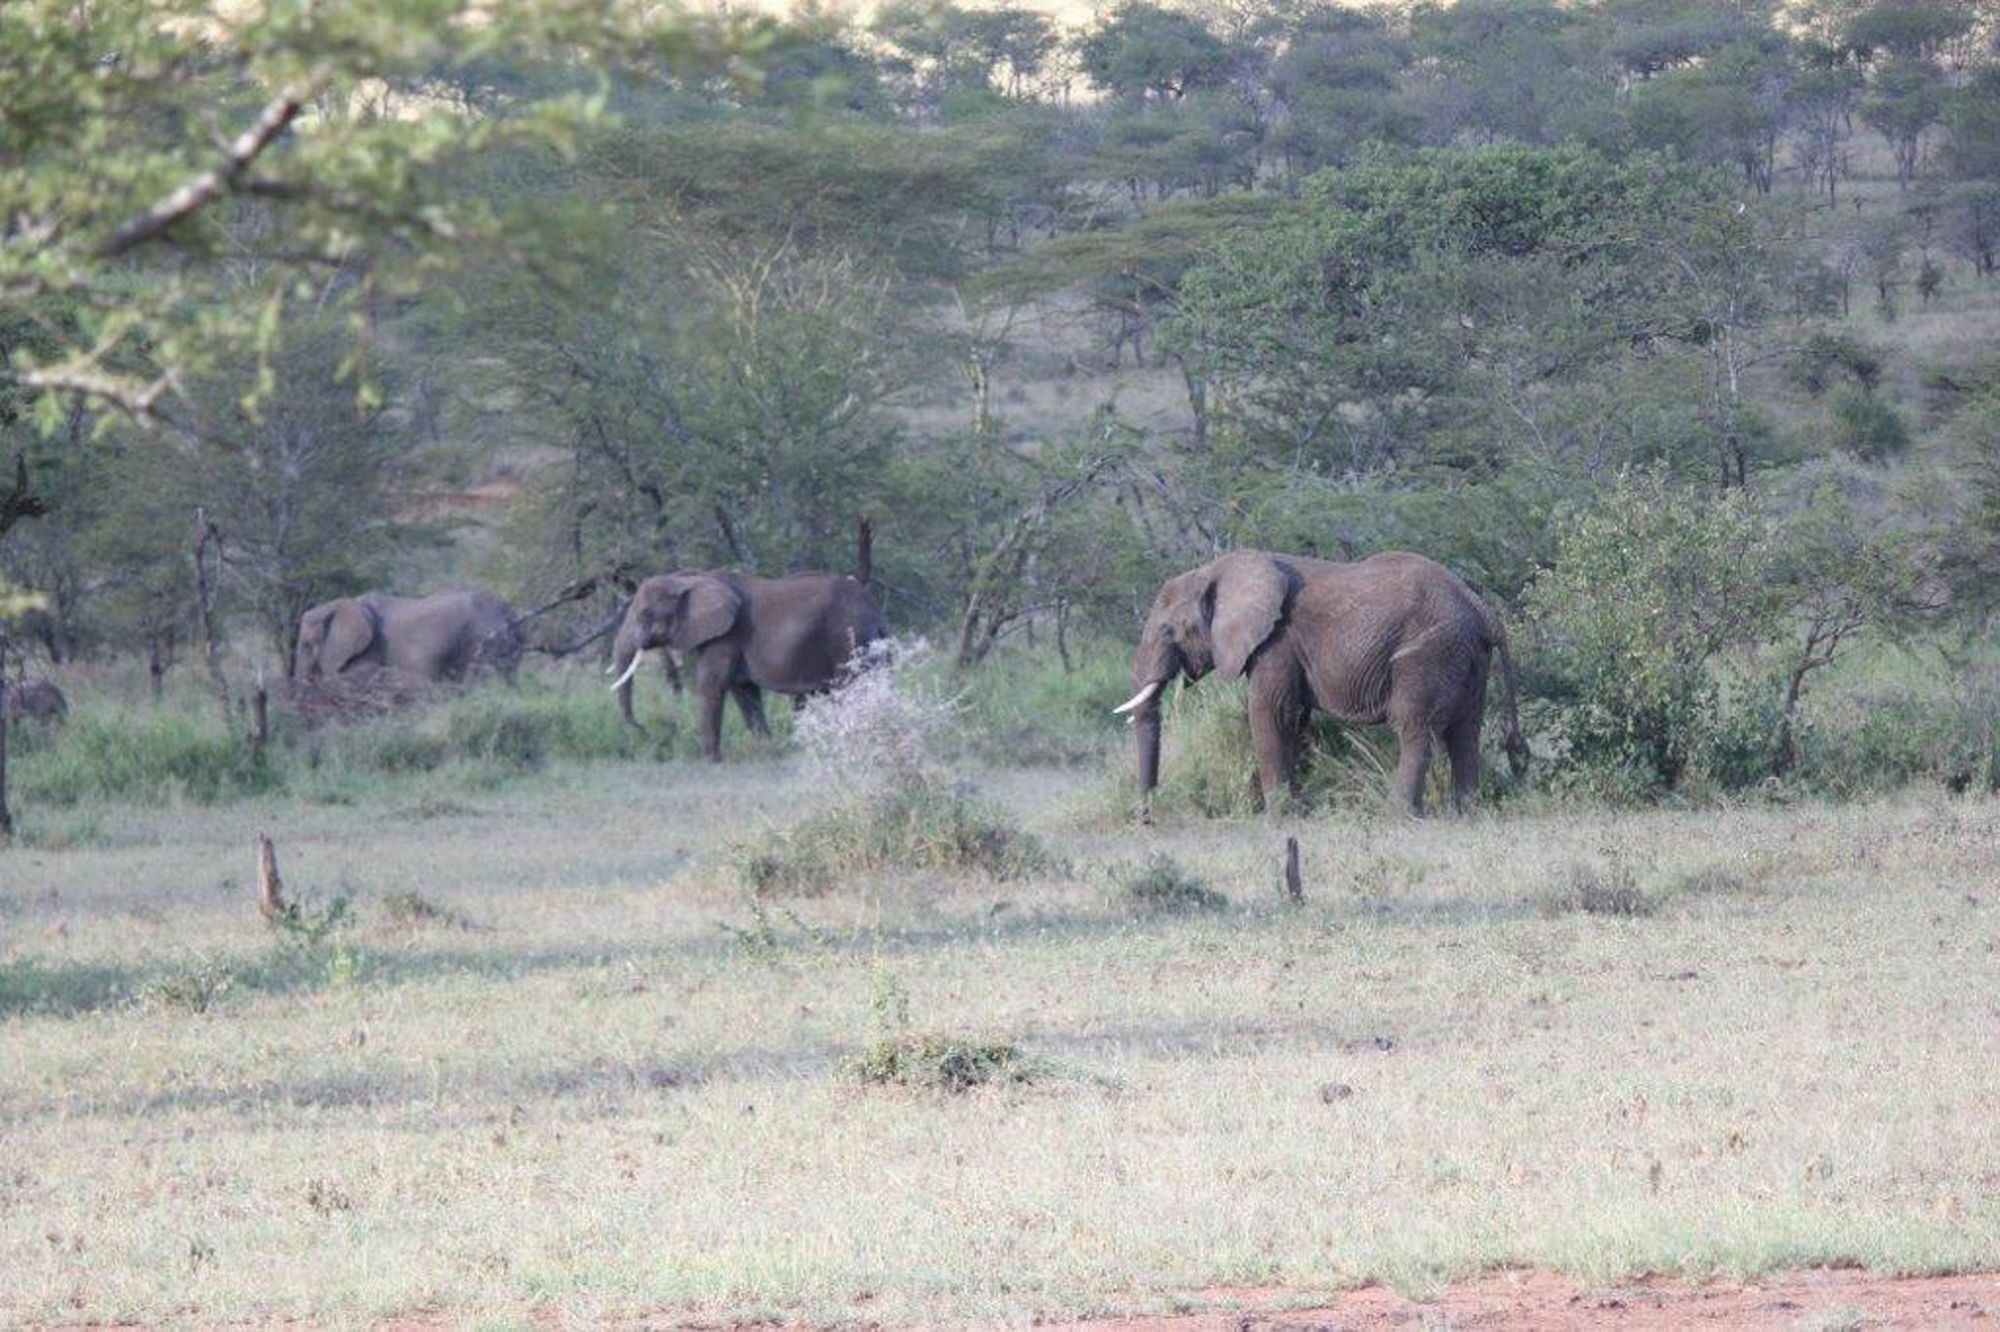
[[741, 635], [1393, 639]]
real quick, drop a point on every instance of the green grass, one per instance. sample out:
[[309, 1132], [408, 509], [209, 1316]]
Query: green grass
[[598, 1105]]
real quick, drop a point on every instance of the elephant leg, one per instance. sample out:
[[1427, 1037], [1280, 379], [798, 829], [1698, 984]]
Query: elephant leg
[[1413, 766], [712, 686], [1461, 741], [750, 702], [1277, 716]]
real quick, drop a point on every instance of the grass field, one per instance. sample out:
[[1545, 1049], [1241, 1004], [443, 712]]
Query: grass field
[[556, 1058]]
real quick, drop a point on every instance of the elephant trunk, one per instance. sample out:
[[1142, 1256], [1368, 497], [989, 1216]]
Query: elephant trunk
[[625, 660], [1152, 669], [1146, 728]]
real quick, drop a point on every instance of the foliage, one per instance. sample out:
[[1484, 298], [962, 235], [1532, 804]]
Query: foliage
[[1652, 587], [1163, 884], [944, 830], [1594, 890], [140, 249], [1867, 425], [929, 1061], [939, 1063]]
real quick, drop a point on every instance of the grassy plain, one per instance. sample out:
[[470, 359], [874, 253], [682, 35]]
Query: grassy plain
[[558, 1060]]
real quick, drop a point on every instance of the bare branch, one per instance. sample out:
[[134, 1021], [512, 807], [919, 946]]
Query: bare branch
[[206, 188]]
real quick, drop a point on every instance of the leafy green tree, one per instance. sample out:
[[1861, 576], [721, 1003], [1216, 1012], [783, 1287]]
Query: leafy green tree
[[1144, 52], [137, 128], [1728, 109], [1337, 78], [1913, 30], [1532, 71], [1905, 99]]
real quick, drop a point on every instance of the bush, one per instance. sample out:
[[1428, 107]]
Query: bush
[[1651, 587], [1597, 891], [938, 1063], [1163, 885], [144, 754], [193, 987], [932, 829], [1867, 425]]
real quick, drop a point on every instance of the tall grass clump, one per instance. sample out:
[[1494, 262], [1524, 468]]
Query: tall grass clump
[[1208, 766], [144, 753], [1027, 708], [877, 744]]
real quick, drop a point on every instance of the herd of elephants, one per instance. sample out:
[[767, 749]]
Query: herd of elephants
[[1395, 640]]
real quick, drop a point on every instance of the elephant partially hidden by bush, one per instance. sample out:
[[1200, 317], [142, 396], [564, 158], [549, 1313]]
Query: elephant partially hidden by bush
[[743, 635], [1393, 639], [36, 700], [449, 636]]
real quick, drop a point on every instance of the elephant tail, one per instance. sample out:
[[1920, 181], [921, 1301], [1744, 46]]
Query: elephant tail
[[1515, 743]]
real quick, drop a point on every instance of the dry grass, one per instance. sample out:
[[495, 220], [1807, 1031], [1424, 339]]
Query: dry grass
[[603, 1103]]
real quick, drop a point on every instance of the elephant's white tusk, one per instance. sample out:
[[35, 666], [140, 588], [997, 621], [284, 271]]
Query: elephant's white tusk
[[1140, 699], [630, 671]]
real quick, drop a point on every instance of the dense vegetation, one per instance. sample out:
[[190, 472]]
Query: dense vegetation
[[1603, 305]]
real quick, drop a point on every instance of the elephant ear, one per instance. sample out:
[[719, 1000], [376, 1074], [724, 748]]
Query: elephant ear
[[1249, 594], [709, 609], [350, 631]]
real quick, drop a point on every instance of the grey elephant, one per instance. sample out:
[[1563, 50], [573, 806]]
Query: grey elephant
[[35, 700], [448, 636], [1395, 639], [741, 635]]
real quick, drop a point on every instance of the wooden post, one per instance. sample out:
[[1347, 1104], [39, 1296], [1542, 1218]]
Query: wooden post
[[270, 888], [260, 712], [1295, 889]]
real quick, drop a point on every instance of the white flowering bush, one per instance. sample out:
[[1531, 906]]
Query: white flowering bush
[[885, 727]]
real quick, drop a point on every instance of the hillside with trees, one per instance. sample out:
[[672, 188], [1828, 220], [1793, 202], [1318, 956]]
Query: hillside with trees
[[1670, 326]]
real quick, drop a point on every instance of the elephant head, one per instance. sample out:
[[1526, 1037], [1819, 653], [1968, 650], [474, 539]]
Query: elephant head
[[1216, 616], [678, 611], [332, 636]]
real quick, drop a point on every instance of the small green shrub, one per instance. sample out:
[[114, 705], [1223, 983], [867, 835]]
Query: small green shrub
[[409, 909], [893, 829], [938, 1063], [1164, 885], [1867, 425], [1595, 890], [193, 987]]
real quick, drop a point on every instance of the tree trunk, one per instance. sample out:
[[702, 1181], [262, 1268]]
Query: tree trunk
[[6, 814], [206, 536]]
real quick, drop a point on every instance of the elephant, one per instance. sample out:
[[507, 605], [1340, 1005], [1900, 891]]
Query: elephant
[[447, 636], [741, 635], [36, 700], [1394, 638]]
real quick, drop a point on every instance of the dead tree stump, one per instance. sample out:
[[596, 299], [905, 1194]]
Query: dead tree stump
[[270, 888]]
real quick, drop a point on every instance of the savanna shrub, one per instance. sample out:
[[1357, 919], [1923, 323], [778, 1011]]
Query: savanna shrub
[[1163, 885], [877, 742], [1867, 425], [1651, 587], [144, 753]]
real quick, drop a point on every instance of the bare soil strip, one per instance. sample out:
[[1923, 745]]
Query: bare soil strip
[[1549, 1303]]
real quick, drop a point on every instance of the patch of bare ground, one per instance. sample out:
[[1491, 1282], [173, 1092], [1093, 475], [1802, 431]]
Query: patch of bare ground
[[1821, 1300]]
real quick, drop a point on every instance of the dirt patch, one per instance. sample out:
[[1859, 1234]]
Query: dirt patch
[[1546, 1303]]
